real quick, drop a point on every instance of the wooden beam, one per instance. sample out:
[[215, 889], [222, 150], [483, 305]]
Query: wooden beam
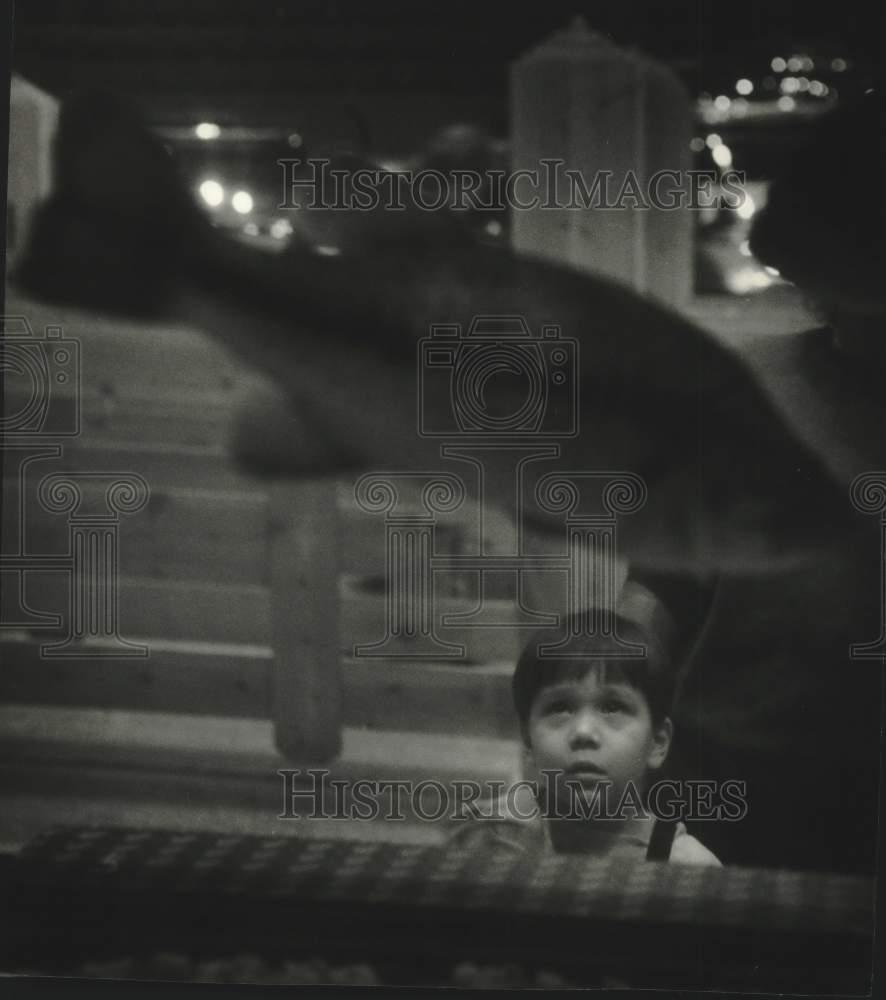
[[235, 681], [306, 678], [190, 534]]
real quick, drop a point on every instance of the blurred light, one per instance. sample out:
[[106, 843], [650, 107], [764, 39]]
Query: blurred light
[[241, 201], [839, 65], [817, 88], [795, 64], [251, 229], [722, 155], [281, 228], [778, 65], [747, 207], [392, 167], [212, 193], [713, 140], [722, 102], [744, 86], [493, 227], [786, 104], [704, 97], [746, 279], [769, 83], [711, 115], [740, 106], [790, 85], [207, 130], [327, 251], [295, 140], [806, 63], [773, 271], [696, 144], [744, 248], [802, 84]]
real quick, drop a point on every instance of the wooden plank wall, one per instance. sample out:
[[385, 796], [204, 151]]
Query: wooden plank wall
[[197, 563]]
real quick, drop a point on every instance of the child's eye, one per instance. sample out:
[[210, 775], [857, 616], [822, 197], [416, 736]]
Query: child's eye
[[558, 707], [612, 707]]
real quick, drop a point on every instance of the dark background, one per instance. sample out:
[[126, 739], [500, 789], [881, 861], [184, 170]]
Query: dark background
[[253, 62]]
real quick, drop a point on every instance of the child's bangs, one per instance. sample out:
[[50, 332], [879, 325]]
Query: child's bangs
[[608, 670]]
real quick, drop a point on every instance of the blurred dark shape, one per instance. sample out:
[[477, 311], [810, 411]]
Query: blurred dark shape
[[118, 198], [466, 147], [822, 227], [735, 487]]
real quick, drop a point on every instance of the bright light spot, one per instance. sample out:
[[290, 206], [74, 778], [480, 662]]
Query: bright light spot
[[740, 106], [744, 86], [806, 63], [212, 193], [281, 228], [744, 248], [251, 229], [839, 65], [747, 207], [802, 84], [241, 201], [795, 64], [778, 65], [493, 227], [722, 155], [327, 251], [773, 271], [295, 140], [696, 144], [713, 140], [392, 167], [786, 104], [790, 85], [817, 88], [747, 279], [722, 102], [207, 130]]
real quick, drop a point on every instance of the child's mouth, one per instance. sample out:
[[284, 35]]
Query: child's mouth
[[585, 772]]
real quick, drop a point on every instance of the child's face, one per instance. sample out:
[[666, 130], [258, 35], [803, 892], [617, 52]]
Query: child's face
[[596, 729]]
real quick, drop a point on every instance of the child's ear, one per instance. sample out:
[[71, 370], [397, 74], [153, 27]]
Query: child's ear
[[661, 743]]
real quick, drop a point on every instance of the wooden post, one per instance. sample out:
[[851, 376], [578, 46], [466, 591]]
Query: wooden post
[[32, 120], [580, 99], [306, 685]]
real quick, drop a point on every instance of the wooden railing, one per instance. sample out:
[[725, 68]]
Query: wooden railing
[[248, 593]]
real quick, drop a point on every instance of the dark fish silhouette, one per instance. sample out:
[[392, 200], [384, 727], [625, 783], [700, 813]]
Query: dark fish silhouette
[[728, 485]]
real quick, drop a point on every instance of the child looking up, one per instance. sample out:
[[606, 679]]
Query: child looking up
[[596, 729]]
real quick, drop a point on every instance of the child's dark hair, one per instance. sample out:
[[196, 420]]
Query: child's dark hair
[[653, 674]]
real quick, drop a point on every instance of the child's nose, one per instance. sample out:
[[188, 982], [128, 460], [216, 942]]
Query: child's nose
[[585, 727]]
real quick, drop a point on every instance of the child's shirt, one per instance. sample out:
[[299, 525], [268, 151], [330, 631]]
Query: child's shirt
[[521, 828]]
